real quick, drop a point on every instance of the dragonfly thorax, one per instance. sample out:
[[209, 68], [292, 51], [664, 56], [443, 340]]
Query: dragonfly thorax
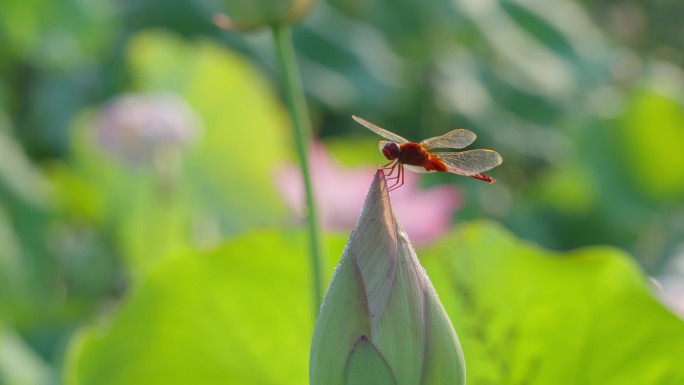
[[391, 150]]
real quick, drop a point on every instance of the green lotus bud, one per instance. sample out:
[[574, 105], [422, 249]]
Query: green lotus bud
[[381, 321], [251, 14]]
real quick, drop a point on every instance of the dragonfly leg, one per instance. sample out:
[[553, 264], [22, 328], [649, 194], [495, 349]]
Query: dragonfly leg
[[390, 166], [387, 164], [402, 176], [399, 178], [396, 177]]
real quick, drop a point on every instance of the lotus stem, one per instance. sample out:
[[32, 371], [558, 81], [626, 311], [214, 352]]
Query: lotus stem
[[296, 102]]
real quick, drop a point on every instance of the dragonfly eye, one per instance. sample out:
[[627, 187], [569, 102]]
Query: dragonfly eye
[[391, 150]]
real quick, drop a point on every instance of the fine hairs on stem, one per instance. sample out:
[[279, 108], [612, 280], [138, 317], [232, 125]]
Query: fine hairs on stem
[[301, 125]]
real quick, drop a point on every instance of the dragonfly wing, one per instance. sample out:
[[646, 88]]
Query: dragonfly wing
[[453, 139], [469, 162], [380, 131]]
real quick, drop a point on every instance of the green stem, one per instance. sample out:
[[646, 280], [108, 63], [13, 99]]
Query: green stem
[[296, 103]]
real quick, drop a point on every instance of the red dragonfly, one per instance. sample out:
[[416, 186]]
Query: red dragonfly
[[417, 157]]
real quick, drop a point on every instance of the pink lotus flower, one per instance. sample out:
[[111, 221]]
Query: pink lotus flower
[[339, 193]]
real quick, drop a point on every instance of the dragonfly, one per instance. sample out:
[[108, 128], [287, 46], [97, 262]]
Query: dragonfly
[[419, 157]]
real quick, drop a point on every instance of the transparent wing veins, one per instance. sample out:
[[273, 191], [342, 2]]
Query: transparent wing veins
[[380, 131], [470, 162], [459, 138]]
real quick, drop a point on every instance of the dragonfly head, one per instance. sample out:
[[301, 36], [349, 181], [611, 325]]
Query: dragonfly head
[[390, 150]]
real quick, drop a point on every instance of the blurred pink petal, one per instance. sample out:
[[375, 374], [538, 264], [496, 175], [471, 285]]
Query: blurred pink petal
[[339, 193]]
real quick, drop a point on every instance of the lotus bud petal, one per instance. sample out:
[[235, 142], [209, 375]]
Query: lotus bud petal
[[367, 366], [381, 321]]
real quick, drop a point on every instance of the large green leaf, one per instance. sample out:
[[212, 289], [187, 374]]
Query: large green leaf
[[528, 315], [241, 315], [237, 315]]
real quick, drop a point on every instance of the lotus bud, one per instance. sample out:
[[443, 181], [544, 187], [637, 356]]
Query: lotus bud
[[381, 321], [137, 127], [252, 14]]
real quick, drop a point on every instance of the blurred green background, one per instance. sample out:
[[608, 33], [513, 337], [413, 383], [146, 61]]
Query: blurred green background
[[149, 233]]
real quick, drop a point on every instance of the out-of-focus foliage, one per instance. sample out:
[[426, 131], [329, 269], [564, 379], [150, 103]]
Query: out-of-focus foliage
[[33, 281], [651, 29], [51, 49], [19, 364], [655, 162]]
